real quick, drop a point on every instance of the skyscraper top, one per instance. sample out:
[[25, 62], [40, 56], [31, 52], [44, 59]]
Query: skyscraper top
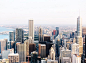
[[79, 26]]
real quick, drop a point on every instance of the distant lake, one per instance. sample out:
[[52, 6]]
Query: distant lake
[[2, 29]]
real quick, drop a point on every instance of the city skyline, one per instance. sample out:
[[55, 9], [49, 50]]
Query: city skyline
[[42, 12]]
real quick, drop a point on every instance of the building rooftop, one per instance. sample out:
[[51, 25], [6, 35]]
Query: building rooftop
[[12, 54], [43, 45]]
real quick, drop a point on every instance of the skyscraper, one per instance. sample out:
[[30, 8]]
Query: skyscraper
[[43, 50], [3, 45], [85, 50], [12, 36], [31, 28], [52, 54], [19, 35], [79, 39], [79, 26], [57, 31], [34, 56], [40, 34], [21, 50]]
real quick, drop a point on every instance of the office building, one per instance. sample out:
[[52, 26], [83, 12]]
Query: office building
[[30, 40], [85, 49], [75, 48], [65, 54], [19, 35], [76, 59], [57, 44], [13, 58], [46, 38], [39, 50], [12, 44], [57, 31], [66, 60], [36, 37], [5, 54], [79, 39], [72, 35], [12, 36], [32, 47], [52, 54], [54, 32], [34, 56], [27, 47], [43, 50], [17, 45], [83, 31], [31, 28], [21, 50], [40, 34], [3, 45]]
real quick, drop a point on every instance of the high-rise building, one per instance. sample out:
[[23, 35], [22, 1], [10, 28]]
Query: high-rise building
[[76, 59], [57, 44], [34, 56], [12, 36], [3, 45], [79, 39], [39, 50], [13, 58], [19, 35], [27, 47], [57, 31], [32, 47], [46, 38], [65, 55], [79, 26], [75, 48], [52, 54], [85, 50], [83, 31], [21, 50], [31, 28], [43, 50], [40, 34], [30, 40]]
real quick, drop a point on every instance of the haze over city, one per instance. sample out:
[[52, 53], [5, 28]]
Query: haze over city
[[42, 11]]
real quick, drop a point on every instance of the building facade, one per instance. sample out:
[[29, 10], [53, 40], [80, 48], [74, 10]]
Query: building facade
[[19, 35], [31, 28]]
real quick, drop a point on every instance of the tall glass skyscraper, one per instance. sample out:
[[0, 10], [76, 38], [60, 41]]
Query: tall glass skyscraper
[[79, 39]]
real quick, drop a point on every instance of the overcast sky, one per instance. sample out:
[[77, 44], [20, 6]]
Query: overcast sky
[[42, 11]]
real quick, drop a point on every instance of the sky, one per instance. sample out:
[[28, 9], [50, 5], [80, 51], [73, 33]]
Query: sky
[[42, 11]]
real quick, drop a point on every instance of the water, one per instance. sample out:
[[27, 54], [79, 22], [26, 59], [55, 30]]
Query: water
[[2, 29]]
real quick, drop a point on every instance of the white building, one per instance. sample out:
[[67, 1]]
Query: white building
[[76, 59], [52, 54], [31, 28], [75, 48]]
